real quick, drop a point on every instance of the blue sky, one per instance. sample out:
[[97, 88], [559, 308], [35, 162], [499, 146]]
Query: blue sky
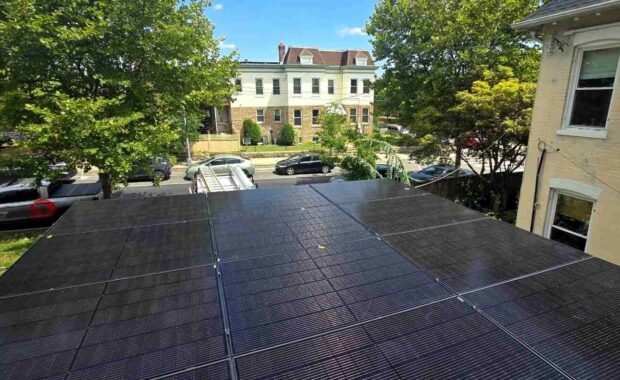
[[255, 27]]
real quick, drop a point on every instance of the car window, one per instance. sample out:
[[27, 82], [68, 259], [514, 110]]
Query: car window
[[217, 161], [233, 161], [306, 159], [315, 158], [19, 195], [429, 170]]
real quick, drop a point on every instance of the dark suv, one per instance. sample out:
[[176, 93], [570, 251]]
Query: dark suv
[[309, 163], [158, 167]]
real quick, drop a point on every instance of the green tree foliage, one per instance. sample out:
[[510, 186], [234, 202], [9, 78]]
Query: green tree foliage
[[362, 163], [287, 135], [105, 81], [251, 130], [334, 130], [496, 114], [433, 49]]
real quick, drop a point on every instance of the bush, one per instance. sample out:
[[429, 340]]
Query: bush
[[287, 136], [251, 130]]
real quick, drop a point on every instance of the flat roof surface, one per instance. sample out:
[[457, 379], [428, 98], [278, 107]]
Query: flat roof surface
[[368, 279]]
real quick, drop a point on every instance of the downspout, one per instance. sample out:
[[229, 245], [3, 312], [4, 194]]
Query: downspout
[[538, 169]]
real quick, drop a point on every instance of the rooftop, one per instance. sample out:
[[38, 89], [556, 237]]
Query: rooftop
[[556, 10], [328, 57], [351, 279]]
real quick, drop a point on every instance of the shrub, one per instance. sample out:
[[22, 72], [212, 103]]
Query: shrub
[[287, 135], [251, 130]]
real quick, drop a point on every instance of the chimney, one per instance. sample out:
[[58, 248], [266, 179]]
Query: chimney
[[281, 51]]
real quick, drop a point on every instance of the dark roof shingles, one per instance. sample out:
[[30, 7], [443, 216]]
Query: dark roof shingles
[[557, 6]]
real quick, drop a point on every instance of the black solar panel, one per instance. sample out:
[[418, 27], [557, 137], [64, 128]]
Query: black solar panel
[[310, 291], [443, 340], [571, 315], [480, 253], [410, 213]]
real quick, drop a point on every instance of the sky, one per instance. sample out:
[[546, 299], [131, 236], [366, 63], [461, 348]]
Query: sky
[[256, 27]]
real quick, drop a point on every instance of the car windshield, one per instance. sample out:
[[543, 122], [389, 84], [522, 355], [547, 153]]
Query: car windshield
[[294, 158]]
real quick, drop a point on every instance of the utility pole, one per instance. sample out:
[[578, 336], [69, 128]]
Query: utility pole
[[187, 147]]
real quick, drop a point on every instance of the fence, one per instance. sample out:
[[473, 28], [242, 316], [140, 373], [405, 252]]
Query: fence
[[212, 143]]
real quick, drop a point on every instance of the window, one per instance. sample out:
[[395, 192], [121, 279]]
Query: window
[[361, 61], [594, 87], [330, 86], [316, 85], [238, 84], [296, 85], [316, 139], [366, 86], [276, 86], [305, 60], [306, 159], [353, 116], [260, 116], [233, 161], [297, 118], [315, 117], [365, 115], [570, 220], [217, 162], [259, 86], [223, 114], [354, 86], [277, 116]]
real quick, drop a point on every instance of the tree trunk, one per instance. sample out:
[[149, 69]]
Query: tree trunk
[[106, 185], [457, 159]]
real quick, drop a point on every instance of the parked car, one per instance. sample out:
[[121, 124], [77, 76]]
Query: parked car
[[395, 128], [22, 200], [309, 163], [436, 171], [221, 164], [382, 169], [158, 167]]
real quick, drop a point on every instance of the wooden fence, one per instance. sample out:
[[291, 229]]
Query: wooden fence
[[212, 143]]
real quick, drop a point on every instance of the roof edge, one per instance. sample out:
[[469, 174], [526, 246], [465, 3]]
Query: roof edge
[[538, 21]]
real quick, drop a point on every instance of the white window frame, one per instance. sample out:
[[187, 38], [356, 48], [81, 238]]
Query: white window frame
[[351, 116], [361, 61], [262, 86], [273, 87], [277, 112], [332, 87], [364, 81], [306, 59], [301, 118], [552, 208], [356, 85], [300, 86], [367, 115], [582, 131], [318, 86], [262, 116]]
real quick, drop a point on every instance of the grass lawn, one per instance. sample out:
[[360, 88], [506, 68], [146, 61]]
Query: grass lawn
[[278, 148], [13, 245]]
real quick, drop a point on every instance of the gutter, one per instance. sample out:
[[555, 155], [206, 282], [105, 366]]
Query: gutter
[[538, 21]]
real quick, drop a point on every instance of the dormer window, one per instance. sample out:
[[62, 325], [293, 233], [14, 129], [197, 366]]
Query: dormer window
[[361, 61], [305, 59]]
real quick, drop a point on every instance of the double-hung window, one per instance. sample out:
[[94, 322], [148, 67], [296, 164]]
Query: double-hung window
[[297, 118], [276, 86], [353, 116], [330, 86], [315, 117], [569, 220], [297, 86], [354, 86], [238, 84], [277, 115], [365, 115], [366, 86], [260, 116], [316, 89], [259, 86], [593, 88]]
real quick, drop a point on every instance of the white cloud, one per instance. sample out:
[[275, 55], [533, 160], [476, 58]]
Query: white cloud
[[347, 32], [218, 6], [227, 46]]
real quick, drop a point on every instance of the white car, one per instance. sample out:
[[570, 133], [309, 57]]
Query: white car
[[221, 164]]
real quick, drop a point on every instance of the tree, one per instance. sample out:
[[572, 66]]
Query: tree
[[251, 130], [287, 135], [496, 115], [433, 49], [362, 164], [104, 82], [333, 132]]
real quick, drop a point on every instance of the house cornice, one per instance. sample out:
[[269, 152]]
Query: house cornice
[[537, 22]]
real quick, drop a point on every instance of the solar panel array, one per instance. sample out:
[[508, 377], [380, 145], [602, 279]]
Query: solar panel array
[[368, 279]]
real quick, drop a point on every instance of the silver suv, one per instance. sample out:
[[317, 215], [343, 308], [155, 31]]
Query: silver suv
[[221, 164]]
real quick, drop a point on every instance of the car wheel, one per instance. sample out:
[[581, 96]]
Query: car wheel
[[160, 175], [325, 169], [290, 171]]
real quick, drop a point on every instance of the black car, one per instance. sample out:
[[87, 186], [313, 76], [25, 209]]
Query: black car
[[437, 171], [382, 171], [158, 167], [309, 163]]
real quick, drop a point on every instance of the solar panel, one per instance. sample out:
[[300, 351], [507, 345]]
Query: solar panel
[[570, 315], [443, 340], [369, 280], [471, 255], [398, 215]]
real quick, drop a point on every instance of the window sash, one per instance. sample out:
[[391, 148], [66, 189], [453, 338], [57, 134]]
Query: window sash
[[366, 88], [238, 85], [353, 115], [260, 116], [330, 86], [365, 115], [297, 117], [277, 115], [316, 87], [259, 87], [296, 86], [276, 86], [315, 117], [354, 86]]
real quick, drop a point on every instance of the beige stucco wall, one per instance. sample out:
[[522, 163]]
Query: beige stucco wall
[[579, 159]]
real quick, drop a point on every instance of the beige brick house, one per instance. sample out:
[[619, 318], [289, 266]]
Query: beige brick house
[[296, 89], [571, 187]]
